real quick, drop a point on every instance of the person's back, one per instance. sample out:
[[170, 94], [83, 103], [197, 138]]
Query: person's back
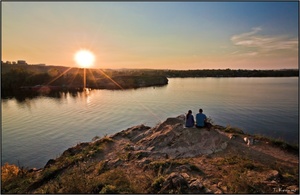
[[189, 120], [200, 119]]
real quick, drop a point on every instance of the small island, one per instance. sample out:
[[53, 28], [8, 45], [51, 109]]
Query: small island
[[166, 158]]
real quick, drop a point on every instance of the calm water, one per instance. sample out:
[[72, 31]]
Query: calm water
[[35, 130]]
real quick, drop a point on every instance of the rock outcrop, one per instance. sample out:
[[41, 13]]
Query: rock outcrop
[[173, 140], [167, 158]]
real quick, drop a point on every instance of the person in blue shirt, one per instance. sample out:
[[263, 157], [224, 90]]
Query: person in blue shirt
[[189, 119], [200, 119]]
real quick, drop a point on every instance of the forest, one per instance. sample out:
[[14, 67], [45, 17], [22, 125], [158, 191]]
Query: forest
[[220, 73]]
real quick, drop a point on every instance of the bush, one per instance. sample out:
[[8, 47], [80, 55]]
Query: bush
[[230, 129], [157, 184], [9, 172], [115, 181], [14, 179]]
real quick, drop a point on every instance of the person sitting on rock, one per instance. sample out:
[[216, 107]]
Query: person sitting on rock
[[189, 119], [201, 120]]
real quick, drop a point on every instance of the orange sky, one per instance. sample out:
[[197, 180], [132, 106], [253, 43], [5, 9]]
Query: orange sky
[[163, 35]]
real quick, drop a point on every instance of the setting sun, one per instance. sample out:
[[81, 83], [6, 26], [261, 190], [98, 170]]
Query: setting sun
[[84, 58]]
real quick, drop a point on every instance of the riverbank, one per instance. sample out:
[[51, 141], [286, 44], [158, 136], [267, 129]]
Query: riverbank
[[167, 158]]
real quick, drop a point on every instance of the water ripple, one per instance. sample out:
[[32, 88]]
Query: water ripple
[[42, 128]]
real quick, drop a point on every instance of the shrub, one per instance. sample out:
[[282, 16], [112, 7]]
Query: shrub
[[157, 184], [117, 178], [102, 167], [95, 138], [230, 129], [14, 179], [209, 119], [71, 181], [238, 182], [8, 172], [279, 143]]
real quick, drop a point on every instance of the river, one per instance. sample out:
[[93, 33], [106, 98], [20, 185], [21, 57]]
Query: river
[[37, 129]]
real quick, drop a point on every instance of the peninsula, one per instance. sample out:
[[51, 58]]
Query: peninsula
[[166, 158]]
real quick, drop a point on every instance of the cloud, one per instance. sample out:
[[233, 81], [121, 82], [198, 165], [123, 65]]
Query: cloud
[[263, 44]]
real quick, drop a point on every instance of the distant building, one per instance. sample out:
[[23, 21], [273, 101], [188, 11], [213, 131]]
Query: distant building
[[22, 62]]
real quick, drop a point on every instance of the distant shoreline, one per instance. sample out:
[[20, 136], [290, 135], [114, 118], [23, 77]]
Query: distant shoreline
[[243, 72], [19, 76], [162, 72]]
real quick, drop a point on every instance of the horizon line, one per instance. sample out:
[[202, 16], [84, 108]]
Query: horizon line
[[45, 65]]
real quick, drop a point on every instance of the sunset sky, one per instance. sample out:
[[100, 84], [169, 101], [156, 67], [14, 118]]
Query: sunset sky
[[161, 35]]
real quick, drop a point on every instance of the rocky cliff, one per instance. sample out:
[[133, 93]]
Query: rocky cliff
[[167, 158]]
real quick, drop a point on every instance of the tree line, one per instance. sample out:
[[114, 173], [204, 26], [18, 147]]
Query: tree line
[[219, 73], [18, 80], [16, 77]]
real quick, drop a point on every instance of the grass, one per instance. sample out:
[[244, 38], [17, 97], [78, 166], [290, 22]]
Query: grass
[[230, 129], [163, 166], [83, 178], [289, 175], [241, 162], [116, 180], [99, 177], [273, 141], [156, 185], [84, 169], [14, 179], [238, 182], [278, 143], [73, 180], [233, 171], [9, 172], [102, 167]]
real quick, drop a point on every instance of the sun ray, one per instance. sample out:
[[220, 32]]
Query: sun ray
[[59, 76], [74, 76], [142, 105], [102, 72], [93, 77]]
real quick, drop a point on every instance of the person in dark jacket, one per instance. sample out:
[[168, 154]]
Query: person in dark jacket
[[189, 119]]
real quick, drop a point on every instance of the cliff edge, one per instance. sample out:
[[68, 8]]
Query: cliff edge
[[167, 158]]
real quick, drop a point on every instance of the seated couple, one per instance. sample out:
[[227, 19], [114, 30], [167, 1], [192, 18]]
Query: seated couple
[[201, 120]]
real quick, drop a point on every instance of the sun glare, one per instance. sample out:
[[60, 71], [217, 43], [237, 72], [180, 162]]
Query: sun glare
[[84, 58]]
